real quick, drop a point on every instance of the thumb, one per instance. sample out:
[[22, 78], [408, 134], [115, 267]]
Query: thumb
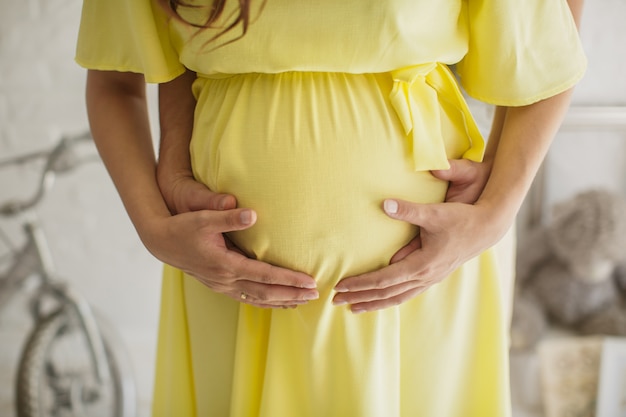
[[414, 213], [227, 220]]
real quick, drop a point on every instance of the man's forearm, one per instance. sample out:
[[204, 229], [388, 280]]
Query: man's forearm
[[176, 110]]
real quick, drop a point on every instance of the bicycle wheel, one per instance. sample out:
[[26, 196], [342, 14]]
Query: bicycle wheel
[[56, 376]]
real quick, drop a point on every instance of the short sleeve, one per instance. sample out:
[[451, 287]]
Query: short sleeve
[[520, 51], [127, 36]]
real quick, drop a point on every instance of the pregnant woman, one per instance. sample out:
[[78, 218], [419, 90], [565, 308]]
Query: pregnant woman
[[315, 115]]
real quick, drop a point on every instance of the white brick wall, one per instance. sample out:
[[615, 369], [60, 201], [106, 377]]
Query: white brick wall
[[41, 96], [94, 244]]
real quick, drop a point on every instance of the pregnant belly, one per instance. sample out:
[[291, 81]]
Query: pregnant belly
[[315, 154]]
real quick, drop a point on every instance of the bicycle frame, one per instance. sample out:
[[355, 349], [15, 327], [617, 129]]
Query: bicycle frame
[[34, 258]]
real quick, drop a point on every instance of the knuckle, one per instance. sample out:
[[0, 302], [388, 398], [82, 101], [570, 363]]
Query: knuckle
[[222, 272], [203, 217], [226, 275], [380, 284], [213, 200], [386, 293], [396, 301], [262, 297], [267, 277], [408, 211], [230, 220]]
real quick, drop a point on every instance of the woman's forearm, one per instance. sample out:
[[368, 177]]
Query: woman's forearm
[[192, 241], [494, 134], [118, 116], [526, 134]]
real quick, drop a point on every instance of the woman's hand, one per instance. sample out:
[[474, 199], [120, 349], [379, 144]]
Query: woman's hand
[[466, 181], [446, 240], [453, 232], [193, 241], [450, 234], [192, 238]]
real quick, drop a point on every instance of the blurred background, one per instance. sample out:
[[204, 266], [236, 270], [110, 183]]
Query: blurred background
[[93, 242]]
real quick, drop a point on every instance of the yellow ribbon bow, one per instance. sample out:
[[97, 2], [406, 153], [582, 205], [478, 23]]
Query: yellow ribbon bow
[[415, 97]]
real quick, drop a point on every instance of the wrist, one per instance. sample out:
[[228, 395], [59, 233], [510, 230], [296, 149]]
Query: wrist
[[153, 233], [498, 214]]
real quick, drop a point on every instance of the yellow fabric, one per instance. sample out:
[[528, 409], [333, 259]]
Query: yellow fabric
[[174, 343], [509, 52], [127, 36], [416, 97], [518, 51], [317, 114]]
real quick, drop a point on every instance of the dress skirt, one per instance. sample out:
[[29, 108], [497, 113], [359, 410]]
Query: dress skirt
[[315, 154]]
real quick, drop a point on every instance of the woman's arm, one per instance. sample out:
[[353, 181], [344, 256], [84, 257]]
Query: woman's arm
[[468, 178], [118, 115], [452, 233], [193, 242]]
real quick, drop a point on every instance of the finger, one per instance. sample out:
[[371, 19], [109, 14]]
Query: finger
[[236, 266], [260, 295], [204, 199], [264, 273], [217, 201], [367, 296], [412, 246], [253, 302], [245, 292], [390, 302], [461, 170], [466, 180], [231, 246], [249, 300], [276, 294], [389, 276], [224, 221]]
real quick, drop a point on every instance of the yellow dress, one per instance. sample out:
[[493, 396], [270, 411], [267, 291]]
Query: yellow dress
[[317, 114]]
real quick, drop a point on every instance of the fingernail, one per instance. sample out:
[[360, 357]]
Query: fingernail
[[339, 302], [341, 289], [390, 206], [358, 310], [246, 217], [221, 205]]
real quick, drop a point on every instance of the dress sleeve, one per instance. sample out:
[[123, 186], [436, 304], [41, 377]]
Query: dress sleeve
[[520, 51], [127, 36]]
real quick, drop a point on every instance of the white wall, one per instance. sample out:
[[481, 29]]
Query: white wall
[[580, 157], [94, 244], [41, 97]]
